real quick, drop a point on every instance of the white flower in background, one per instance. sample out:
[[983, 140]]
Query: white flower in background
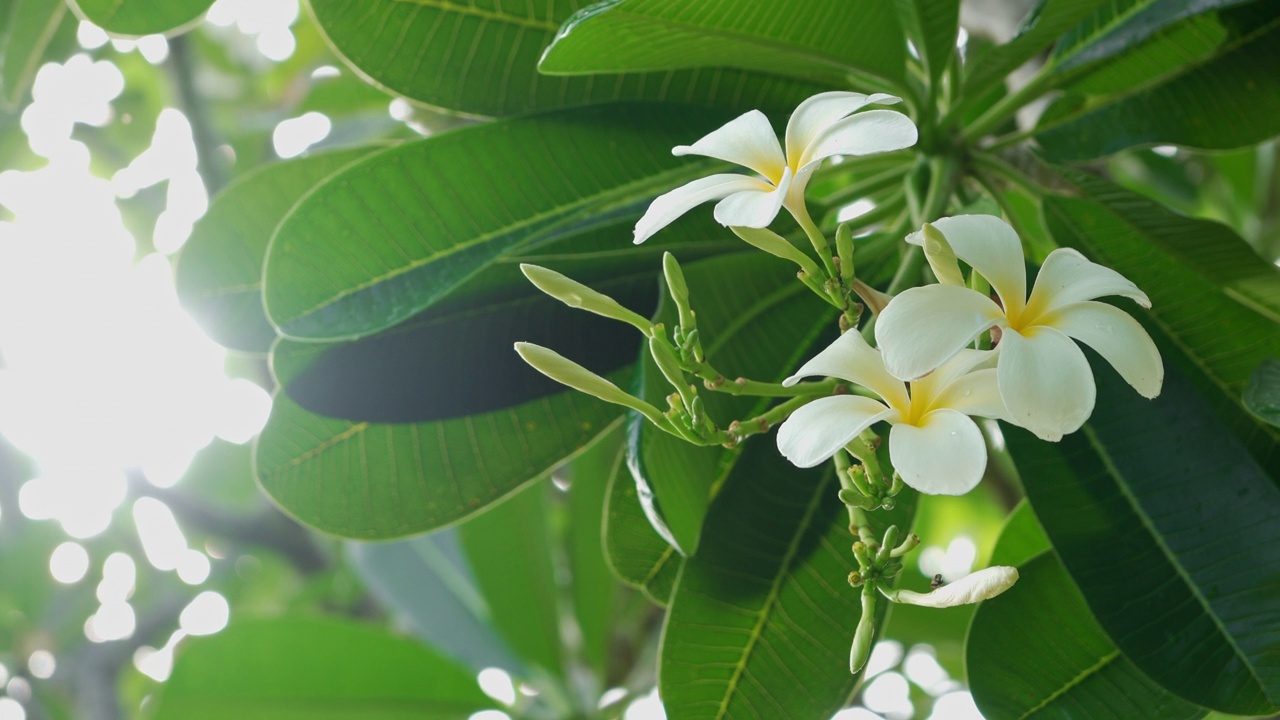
[[821, 127], [1044, 378], [982, 585], [934, 445]]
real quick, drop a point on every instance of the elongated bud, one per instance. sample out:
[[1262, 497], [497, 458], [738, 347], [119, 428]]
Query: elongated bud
[[567, 372], [844, 250], [890, 541], [679, 290], [864, 637], [875, 300], [907, 546], [668, 363], [777, 246], [939, 254], [575, 294], [982, 585]]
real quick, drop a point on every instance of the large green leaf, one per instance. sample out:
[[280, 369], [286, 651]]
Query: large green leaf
[[141, 17], [510, 550], [28, 28], [481, 58], [1167, 525], [755, 321], [762, 617], [1262, 395], [219, 275], [317, 669], [1227, 100], [1211, 295], [1046, 22], [392, 234], [933, 26], [1037, 652], [636, 552], [426, 585], [806, 38]]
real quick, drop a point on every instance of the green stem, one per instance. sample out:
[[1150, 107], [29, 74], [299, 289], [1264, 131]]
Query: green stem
[[887, 209], [866, 186], [1007, 107], [717, 382], [818, 240], [182, 70]]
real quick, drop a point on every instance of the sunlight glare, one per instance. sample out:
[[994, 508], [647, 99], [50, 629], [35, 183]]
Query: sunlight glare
[[884, 656], [955, 706], [292, 137], [11, 709], [646, 707], [113, 621], [856, 714], [496, 683], [890, 695], [153, 48], [194, 567], [69, 563], [42, 664], [923, 669], [157, 664], [90, 36], [162, 539], [207, 614], [119, 576]]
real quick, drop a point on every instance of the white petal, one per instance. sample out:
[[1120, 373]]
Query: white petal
[[667, 207], [977, 393], [816, 431], [923, 327], [747, 140], [1068, 277], [867, 133], [943, 455], [754, 208], [1045, 381], [992, 248], [1118, 338], [851, 358], [925, 389], [823, 110], [982, 585]]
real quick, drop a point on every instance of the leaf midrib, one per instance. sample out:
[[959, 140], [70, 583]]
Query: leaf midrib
[[1105, 456], [1072, 683], [494, 15]]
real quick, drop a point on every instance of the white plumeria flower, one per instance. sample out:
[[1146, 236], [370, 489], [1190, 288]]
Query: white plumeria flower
[[1044, 378], [934, 445], [821, 127], [982, 585]]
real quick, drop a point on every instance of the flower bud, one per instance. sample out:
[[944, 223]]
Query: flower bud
[[567, 372], [575, 294], [939, 254], [982, 585], [777, 246], [864, 636], [844, 251]]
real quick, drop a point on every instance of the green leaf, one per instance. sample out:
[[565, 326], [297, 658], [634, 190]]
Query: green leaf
[[1166, 524], [932, 25], [1021, 539], [481, 58], [807, 38], [1211, 295], [762, 617], [1262, 395], [756, 322], [1036, 652], [387, 237], [426, 585], [318, 669], [637, 554], [1042, 26], [219, 275], [1186, 107], [29, 26], [593, 589], [509, 548], [141, 17]]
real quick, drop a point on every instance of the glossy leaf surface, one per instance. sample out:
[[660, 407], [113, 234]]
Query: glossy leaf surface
[[141, 17]]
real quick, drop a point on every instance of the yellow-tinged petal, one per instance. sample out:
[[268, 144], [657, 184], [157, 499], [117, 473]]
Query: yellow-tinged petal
[[851, 358], [754, 208], [821, 111], [747, 140], [942, 454], [1118, 338], [1068, 277], [816, 431], [924, 327], [982, 585], [666, 208], [1045, 381], [976, 394], [992, 248]]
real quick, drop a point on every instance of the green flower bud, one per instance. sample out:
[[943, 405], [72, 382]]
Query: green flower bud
[[864, 637], [941, 257], [844, 250], [568, 372], [679, 291], [575, 294]]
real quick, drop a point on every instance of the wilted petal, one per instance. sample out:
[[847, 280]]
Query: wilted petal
[[851, 358], [1045, 381], [666, 208], [823, 110], [816, 431], [867, 133], [943, 455], [1118, 338], [977, 393], [992, 248], [923, 327], [747, 140], [754, 208], [982, 585], [1068, 277]]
